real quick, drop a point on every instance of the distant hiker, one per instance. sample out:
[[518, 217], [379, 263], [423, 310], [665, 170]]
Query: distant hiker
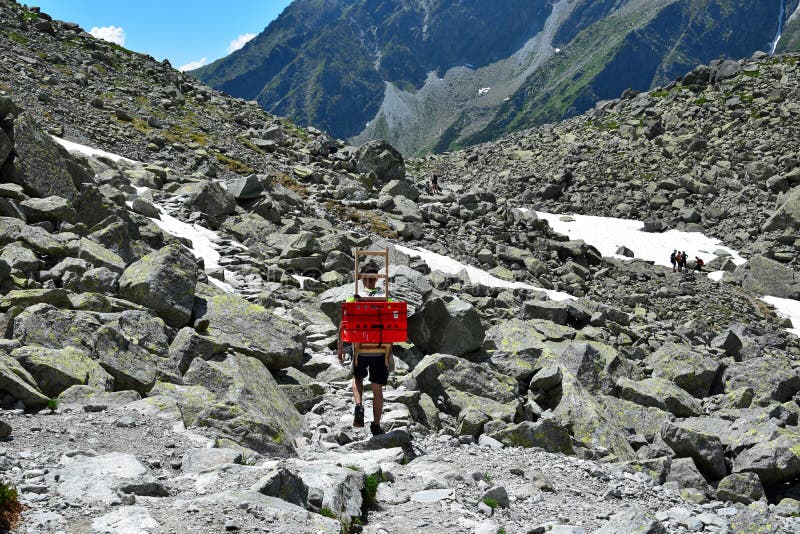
[[373, 364], [673, 260], [684, 259], [698, 263], [435, 184]]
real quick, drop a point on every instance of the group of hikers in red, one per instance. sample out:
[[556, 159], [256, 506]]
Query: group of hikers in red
[[678, 261]]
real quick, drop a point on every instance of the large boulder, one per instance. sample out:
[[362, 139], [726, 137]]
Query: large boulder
[[47, 326], [54, 209], [659, 393], [764, 276], [770, 377], [579, 411], [19, 383], [449, 326], [685, 366], [787, 216], [250, 407], [740, 487], [55, 370], [188, 344], [133, 349], [638, 520], [191, 400], [249, 328], [775, 461], [438, 373], [163, 281], [545, 433], [634, 418], [88, 480], [705, 449], [683, 473], [382, 159], [209, 198], [40, 165]]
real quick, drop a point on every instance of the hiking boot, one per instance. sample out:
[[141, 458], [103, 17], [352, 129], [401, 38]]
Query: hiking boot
[[376, 429], [358, 416]]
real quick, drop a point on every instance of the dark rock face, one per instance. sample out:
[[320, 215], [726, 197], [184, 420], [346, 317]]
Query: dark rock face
[[39, 165], [382, 159]]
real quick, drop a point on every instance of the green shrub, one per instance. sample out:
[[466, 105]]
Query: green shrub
[[371, 488], [52, 404], [10, 507], [327, 512], [245, 459], [491, 503]]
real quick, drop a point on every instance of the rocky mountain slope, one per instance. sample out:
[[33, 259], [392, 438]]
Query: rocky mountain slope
[[180, 302], [437, 75]]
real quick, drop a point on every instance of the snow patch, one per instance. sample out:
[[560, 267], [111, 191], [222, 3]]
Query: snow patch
[[204, 243], [484, 90], [787, 308], [302, 280], [716, 275], [71, 146], [448, 265], [607, 234]]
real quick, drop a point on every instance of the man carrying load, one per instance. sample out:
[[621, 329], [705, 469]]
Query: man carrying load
[[371, 322]]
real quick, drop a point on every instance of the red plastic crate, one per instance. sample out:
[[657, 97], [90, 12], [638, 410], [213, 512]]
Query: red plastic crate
[[374, 322]]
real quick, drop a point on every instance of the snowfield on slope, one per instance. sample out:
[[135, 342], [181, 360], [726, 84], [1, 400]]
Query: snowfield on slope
[[448, 265], [607, 234]]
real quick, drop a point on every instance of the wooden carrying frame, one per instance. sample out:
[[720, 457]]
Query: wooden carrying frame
[[372, 348]]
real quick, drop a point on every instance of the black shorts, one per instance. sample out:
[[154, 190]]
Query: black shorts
[[378, 372]]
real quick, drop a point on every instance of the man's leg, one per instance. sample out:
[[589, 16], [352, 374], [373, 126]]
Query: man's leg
[[358, 390], [377, 403]]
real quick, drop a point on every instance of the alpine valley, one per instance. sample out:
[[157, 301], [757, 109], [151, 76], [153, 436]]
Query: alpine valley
[[173, 261]]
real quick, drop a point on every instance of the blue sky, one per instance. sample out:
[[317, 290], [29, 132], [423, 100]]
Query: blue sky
[[189, 34]]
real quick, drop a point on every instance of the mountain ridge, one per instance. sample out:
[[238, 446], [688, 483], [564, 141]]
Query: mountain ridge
[[397, 99]]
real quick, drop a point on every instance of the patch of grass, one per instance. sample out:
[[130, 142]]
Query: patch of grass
[[700, 101], [140, 125], [245, 459], [52, 404], [30, 16], [659, 94], [487, 477], [746, 97], [290, 183], [368, 219], [327, 512], [249, 144], [6, 88], [18, 38], [10, 507], [371, 488], [491, 503], [752, 73], [234, 165]]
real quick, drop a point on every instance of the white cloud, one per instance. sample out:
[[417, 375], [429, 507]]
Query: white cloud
[[240, 41], [111, 34], [193, 64]]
